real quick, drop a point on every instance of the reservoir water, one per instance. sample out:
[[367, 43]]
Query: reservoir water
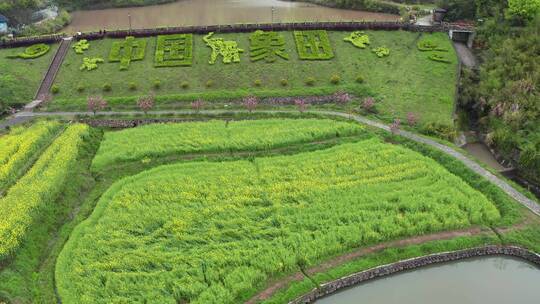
[[213, 12], [493, 280]]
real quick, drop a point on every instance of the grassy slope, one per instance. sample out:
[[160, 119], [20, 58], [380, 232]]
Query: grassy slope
[[405, 81], [20, 78]]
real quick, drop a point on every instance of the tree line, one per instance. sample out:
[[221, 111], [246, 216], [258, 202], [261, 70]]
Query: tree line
[[502, 96]]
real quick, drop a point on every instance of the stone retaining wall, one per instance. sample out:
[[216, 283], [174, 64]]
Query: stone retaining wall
[[27, 41], [389, 269], [239, 28]]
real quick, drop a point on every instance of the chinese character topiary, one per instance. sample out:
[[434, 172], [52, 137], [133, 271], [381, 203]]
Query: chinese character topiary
[[130, 49], [358, 39], [174, 50], [228, 49], [81, 46], [313, 45], [90, 64], [267, 45], [33, 51]]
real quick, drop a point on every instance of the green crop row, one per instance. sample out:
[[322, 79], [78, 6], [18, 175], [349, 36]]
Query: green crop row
[[20, 146], [41, 185], [210, 232], [214, 136]]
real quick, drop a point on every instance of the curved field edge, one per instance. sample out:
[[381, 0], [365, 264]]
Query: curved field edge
[[302, 285], [159, 140], [96, 215]]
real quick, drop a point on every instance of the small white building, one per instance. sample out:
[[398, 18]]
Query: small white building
[[3, 24]]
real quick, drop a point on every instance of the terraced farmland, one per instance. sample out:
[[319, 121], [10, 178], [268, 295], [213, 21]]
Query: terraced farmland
[[215, 232], [213, 212]]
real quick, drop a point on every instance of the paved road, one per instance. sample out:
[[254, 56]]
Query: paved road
[[507, 188], [465, 55]]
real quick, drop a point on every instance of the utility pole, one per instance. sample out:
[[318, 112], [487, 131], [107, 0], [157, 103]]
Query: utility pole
[[273, 9], [129, 17]]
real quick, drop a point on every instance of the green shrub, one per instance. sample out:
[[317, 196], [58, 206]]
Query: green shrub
[[381, 51], [284, 82], [55, 89], [107, 87], [184, 85], [335, 79], [126, 51], [80, 88], [174, 50], [313, 45], [359, 79], [439, 57], [257, 82], [209, 83], [132, 86], [310, 81], [426, 45], [156, 84], [439, 130]]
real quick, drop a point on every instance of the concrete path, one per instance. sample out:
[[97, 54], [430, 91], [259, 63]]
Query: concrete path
[[54, 67], [465, 55], [503, 185]]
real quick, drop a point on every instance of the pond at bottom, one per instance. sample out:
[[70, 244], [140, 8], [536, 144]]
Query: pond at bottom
[[493, 280]]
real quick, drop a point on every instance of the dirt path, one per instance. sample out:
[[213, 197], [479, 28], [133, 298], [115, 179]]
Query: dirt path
[[274, 286]]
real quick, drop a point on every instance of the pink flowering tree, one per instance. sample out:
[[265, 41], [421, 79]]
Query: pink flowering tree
[[250, 103], [301, 104], [96, 103], [197, 105], [412, 119], [146, 103], [368, 104], [342, 97], [395, 126]]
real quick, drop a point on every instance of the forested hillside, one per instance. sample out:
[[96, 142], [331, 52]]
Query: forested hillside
[[503, 94]]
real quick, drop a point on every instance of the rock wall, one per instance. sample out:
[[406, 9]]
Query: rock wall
[[385, 270]]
